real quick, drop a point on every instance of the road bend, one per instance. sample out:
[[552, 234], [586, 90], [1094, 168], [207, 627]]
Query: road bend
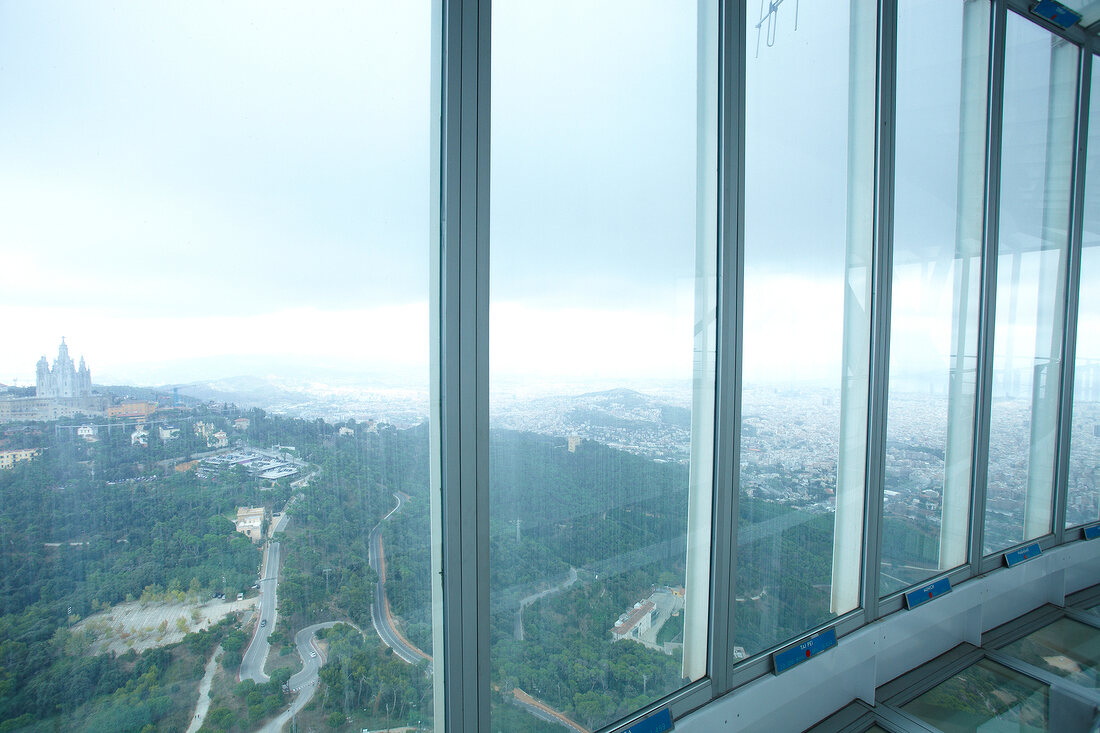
[[304, 683], [380, 608]]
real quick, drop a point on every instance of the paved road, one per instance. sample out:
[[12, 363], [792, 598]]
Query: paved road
[[380, 608], [252, 664], [543, 711], [528, 600], [304, 682]]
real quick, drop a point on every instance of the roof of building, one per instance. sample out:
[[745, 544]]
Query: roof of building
[[624, 625]]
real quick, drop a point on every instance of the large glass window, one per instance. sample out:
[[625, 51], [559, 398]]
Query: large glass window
[[1083, 503], [943, 59], [217, 217], [1036, 176], [808, 230], [601, 355]]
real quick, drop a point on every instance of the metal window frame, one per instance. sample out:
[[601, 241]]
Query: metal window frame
[[464, 351], [463, 340], [1073, 297], [882, 258], [988, 291], [981, 562]]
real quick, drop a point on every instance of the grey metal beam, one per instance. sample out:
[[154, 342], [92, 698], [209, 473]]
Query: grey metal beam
[[727, 434], [731, 304], [988, 297], [1073, 293], [882, 274], [463, 357]]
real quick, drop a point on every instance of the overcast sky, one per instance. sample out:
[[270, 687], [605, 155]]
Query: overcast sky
[[203, 189]]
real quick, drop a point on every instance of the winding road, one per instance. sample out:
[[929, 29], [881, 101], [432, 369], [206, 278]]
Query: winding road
[[304, 682], [252, 664], [570, 579], [380, 608]]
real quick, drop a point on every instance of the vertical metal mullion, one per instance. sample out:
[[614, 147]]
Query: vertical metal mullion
[[880, 306], [463, 349], [988, 297], [1073, 292], [727, 436], [483, 76], [731, 314]]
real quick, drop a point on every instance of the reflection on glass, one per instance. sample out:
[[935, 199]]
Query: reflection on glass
[[216, 216], [985, 696], [939, 181], [1037, 162], [809, 175], [602, 300], [1066, 647], [1083, 500]]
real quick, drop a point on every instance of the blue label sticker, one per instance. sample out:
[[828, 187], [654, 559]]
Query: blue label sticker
[[1056, 13], [1024, 553], [1092, 532], [658, 722], [798, 653], [927, 592]]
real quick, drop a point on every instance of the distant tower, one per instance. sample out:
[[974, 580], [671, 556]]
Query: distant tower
[[83, 385], [42, 381]]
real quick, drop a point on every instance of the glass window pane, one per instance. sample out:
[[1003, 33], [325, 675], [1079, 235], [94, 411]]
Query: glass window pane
[[219, 214], [602, 298], [1066, 647], [1036, 173], [808, 225], [985, 696], [1083, 502], [943, 56]]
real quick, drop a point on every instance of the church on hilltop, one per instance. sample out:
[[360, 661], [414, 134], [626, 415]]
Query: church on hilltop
[[63, 381], [63, 391]]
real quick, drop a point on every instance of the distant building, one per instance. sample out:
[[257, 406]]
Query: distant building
[[140, 437], [574, 441], [241, 423], [63, 381], [88, 432], [346, 431], [168, 432], [204, 429], [635, 622], [250, 522], [8, 458], [63, 391], [132, 410], [218, 440]]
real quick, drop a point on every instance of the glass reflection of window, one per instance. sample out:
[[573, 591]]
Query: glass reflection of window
[[939, 190], [1037, 162], [985, 696], [808, 229], [1066, 648], [601, 365]]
